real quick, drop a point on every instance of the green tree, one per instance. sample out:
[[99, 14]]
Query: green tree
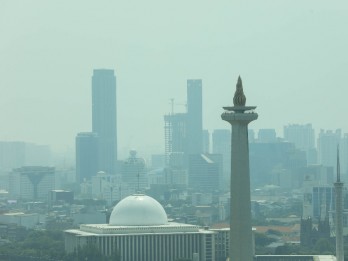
[[323, 246], [263, 240]]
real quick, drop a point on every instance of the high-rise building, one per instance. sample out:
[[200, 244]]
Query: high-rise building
[[301, 135], [107, 187], [104, 117], [134, 174], [12, 155], [267, 136], [204, 171], [206, 142], [86, 155], [183, 132], [251, 136], [31, 182], [194, 117], [304, 139], [327, 146], [222, 145], [175, 134]]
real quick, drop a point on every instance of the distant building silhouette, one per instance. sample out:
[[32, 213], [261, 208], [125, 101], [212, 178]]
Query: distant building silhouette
[[104, 117], [204, 171], [327, 145], [265, 157], [175, 134], [303, 137], [183, 132], [14, 154], [194, 117], [267, 136], [222, 145], [32, 182], [206, 141], [133, 173], [86, 155]]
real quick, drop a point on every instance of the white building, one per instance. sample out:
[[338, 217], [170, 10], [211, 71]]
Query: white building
[[139, 230], [27, 220], [31, 182], [106, 186]]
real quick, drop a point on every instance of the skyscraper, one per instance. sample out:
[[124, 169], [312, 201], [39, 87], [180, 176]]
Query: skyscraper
[[104, 117], [86, 155], [327, 143], [194, 117], [222, 145], [175, 134], [31, 182], [204, 171], [304, 139]]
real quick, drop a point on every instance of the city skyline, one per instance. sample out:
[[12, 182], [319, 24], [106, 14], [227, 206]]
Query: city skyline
[[297, 64]]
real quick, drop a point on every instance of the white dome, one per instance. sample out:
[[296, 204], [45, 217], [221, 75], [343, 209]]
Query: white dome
[[138, 210]]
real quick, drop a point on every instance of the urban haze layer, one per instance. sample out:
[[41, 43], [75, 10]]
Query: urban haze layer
[[130, 131], [291, 183]]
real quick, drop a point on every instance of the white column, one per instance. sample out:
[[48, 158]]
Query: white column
[[239, 116]]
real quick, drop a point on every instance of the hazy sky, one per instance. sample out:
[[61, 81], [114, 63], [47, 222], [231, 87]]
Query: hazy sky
[[291, 55]]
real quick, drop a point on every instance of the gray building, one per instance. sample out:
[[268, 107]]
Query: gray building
[[204, 172], [133, 173], [194, 117], [31, 182], [175, 134], [267, 136], [304, 139], [222, 145], [86, 155], [327, 146], [104, 117]]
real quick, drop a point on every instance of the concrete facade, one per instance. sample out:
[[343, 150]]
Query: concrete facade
[[104, 117], [241, 244]]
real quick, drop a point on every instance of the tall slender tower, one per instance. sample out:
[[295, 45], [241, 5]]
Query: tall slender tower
[[104, 117], [241, 242], [339, 213], [194, 117]]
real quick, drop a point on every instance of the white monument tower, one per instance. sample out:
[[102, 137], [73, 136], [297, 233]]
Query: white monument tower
[[239, 116], [339, 213]]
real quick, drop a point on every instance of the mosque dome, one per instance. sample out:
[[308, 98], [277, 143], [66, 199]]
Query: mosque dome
[[138, 210]]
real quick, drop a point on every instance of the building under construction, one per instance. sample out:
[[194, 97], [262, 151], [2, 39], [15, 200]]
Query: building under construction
[[175, 133]]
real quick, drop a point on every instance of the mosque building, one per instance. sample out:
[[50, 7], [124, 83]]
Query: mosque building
[[139, 229]]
